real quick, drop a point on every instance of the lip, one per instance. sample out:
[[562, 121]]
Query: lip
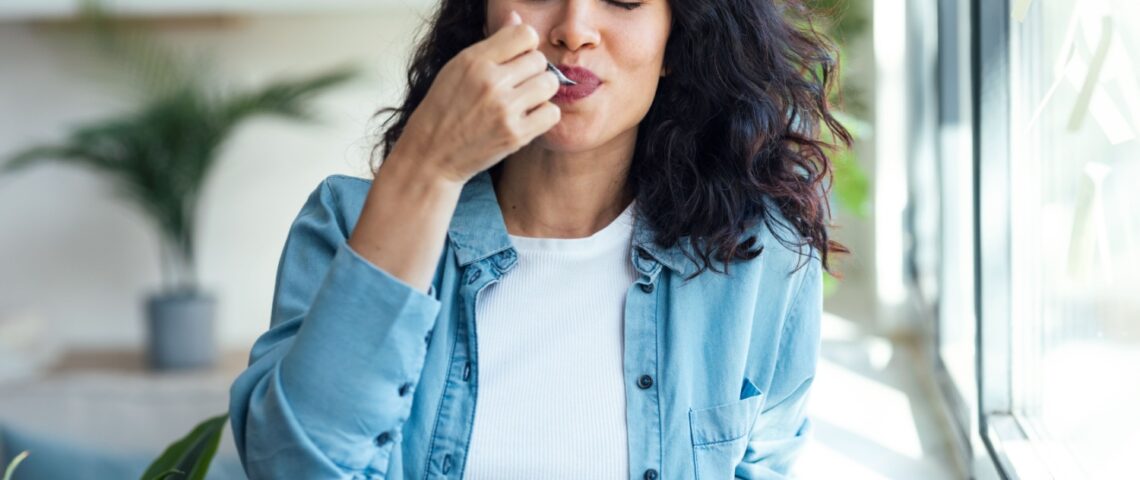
[[588, 82]]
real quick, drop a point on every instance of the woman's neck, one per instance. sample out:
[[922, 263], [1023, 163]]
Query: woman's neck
[[560, 197]]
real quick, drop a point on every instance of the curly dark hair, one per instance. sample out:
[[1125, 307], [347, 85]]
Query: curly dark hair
[[739, 117]]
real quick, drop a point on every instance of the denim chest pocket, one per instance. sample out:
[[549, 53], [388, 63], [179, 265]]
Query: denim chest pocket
[[720, 433]]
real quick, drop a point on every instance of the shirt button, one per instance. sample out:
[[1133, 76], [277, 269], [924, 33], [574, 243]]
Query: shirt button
[[404, 389], [650, 474], [647, 287], [467, 371], [645, 381], [383, 438]]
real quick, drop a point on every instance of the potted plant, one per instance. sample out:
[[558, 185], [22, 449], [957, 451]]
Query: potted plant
[[159, 155]]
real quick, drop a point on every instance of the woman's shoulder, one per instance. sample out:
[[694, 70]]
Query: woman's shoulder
[[347, 189], [775, 279], [340, 198], [785, 248]]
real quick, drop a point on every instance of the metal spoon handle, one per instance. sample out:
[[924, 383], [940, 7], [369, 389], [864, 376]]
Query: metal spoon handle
[[562, 79]]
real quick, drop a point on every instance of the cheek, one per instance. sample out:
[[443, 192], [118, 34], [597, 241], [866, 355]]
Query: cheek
[[639, 60], [497, 13], [639, 48]]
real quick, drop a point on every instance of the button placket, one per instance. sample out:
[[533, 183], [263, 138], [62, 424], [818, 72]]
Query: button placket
[[449, 442], [643, 408]]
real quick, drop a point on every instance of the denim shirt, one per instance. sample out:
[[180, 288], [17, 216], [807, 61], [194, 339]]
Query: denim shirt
[[362, 376]]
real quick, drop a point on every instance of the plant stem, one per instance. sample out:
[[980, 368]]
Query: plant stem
[[12, 466]]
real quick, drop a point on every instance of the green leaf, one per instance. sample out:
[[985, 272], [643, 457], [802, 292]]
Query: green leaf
[[287, 98], [169, 474], [830, 285], [12, 466], [28, 158], [852, 188], [190, 456]]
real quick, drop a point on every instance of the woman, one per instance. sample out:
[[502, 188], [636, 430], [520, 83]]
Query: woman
[[527, 287]]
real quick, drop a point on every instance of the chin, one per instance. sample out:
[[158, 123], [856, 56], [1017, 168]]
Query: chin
[[572, 130], [563, 139]]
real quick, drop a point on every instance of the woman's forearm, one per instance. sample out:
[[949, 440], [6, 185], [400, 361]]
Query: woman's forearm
[[405, 217]]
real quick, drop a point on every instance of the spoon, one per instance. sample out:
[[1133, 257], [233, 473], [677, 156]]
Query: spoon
[[562, 79]]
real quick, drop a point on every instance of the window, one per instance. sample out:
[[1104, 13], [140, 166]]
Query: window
[[1075, 233], [1038, 316]]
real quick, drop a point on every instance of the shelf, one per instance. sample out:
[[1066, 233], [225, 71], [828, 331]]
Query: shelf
[[134, 362], [38, 10]]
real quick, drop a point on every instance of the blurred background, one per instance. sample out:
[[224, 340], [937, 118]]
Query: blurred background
[[984, 327]]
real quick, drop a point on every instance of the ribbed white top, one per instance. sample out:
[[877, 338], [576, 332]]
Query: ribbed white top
[[551, 397]]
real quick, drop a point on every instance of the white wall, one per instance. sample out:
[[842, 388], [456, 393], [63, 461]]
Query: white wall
[[79, 260]]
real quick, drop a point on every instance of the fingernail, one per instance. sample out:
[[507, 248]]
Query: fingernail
[[515, 18]]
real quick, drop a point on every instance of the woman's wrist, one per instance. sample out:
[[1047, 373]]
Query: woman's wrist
[[416, 164], [404, 220]]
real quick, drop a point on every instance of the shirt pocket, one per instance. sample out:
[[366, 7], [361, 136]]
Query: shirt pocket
[[720, 433]]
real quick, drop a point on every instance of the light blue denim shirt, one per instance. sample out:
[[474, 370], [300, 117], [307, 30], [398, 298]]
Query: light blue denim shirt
[[361, 375]]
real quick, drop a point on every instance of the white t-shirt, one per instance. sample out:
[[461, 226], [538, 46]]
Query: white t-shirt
[[551, 398]]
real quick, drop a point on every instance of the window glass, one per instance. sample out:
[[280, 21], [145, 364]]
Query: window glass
[[1075, 232]]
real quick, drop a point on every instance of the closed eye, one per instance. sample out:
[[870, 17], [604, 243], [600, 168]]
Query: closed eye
[[625, 5], [622, 5]]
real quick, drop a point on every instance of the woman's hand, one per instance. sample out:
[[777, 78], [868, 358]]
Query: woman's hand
[[487, 102]]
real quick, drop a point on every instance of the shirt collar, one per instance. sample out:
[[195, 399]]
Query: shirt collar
[[478, 231]]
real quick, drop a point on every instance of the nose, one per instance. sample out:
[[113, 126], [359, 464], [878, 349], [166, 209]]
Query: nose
[[574, 28]]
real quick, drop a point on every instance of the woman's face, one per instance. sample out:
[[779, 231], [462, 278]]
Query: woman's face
[[624, 48]]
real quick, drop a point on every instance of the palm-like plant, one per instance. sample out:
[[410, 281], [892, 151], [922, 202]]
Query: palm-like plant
[[160, 155]]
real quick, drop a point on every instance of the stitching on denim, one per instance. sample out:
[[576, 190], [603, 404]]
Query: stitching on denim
[[718, 442]]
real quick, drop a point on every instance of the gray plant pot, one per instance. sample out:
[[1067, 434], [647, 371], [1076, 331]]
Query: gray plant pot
[[180, 331]]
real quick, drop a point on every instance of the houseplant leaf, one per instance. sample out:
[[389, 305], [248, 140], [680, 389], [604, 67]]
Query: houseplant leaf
[[189, 458], [286, 98]]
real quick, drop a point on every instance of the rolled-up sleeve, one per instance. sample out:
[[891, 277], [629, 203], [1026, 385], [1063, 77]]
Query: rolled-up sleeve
[[327, 387]]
